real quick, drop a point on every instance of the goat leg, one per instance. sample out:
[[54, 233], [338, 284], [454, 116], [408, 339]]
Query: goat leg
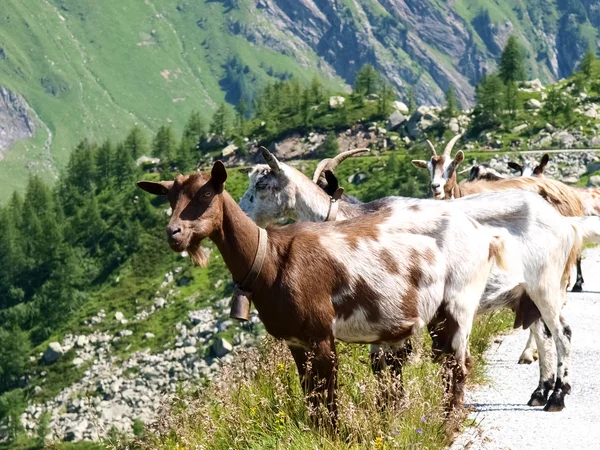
[[547, 356], [578, 286], [317, 369]]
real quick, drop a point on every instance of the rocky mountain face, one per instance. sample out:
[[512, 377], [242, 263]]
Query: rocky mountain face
[[431, 45], [15, 121]]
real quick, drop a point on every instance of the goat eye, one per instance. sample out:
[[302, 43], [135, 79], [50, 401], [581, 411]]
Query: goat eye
[[207, 194]]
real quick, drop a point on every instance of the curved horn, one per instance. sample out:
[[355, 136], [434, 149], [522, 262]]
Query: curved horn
[[270, 160], [432, 147], [450, 144], [332, 163]]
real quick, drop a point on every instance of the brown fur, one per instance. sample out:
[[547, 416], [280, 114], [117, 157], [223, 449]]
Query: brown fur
[[558, 194], [389, 262], [301, 287]]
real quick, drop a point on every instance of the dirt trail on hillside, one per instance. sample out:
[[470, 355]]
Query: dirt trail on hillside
[[504, 421]]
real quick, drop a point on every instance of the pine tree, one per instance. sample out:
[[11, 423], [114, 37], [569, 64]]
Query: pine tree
[[80, 169], [306, 108], [241, 111], [194, 128], [14, 351], [367, 80], [586, 66], [163, 145], [512, 62], [135, 142], [452, 105], [490, 95], [124, 167], [330, 146], [104, 165], [316, 89], [187, 152], [220, 122], [511, 95], [386, 96]]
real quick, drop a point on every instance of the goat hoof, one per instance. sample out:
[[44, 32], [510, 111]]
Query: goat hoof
[[537, 399], [577, 288], [556, 402], [528, 357]]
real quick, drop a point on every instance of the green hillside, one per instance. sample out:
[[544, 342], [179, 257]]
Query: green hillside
[[95, 69]]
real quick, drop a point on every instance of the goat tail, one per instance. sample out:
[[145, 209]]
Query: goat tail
[[498, 251], [587, 229]]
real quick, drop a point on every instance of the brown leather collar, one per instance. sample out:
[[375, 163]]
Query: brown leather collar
[[334, 205], [240, 302], [259, 260]]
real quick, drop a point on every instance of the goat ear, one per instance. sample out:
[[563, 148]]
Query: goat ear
[[218, 174], [155, 188], [545, 160], [516, 166], [332, 183], [459, 157], [419, 163], [245, 170]]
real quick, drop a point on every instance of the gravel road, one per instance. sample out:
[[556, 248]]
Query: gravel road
[[503, 419]]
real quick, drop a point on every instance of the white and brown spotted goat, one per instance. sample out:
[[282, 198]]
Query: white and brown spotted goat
[[539, 242], [375, 279]]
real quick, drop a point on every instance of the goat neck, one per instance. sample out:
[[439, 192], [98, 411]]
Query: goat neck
[[452, 188], [312, 203], [236, 239]]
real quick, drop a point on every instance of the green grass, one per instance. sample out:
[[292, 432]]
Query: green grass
[[262, 407]]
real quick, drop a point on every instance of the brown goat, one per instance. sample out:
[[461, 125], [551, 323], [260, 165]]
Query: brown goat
[[375, 279]]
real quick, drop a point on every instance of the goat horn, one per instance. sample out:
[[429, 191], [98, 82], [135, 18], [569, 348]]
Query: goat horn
[[450, 144], [432, 147], [332, 163], [270, 160], [466, 170]]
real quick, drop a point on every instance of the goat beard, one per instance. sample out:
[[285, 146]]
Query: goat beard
[[198, 255]]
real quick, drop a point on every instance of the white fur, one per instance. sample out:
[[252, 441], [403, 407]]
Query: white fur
[[537, 244]]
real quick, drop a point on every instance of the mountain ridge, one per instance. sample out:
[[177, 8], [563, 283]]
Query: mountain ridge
[[95, 71]]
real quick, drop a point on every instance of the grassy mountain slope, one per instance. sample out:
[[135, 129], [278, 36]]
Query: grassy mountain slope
[[95, 69]]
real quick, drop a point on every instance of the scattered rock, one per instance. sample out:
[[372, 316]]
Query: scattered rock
[[229, 150], [82, 341], [160, 303], [149, 336], [594, 181], [357, 178], [221, 347], [519, 128], [53, 352], [565, 139], [533, 104], [119, 316], [395, 120], [336, 101], [400, 107]]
